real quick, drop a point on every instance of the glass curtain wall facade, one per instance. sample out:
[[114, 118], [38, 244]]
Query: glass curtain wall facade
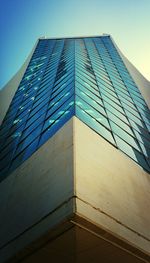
[[85, 77]]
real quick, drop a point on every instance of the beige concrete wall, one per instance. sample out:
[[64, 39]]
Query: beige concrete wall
[[112, 190], [78, 245], [142, 83], [8, 91], [42, 187]]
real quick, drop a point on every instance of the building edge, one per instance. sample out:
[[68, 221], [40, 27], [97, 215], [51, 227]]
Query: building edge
[[76, 202], [8, 91], [73, 199], [142, 83]]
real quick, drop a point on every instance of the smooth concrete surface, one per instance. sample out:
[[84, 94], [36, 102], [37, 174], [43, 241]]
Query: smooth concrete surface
[[26, 243], [8, 91], [112, 190], [42, 185], [77, 240], [78, 245], [142, 83], [75, 173]]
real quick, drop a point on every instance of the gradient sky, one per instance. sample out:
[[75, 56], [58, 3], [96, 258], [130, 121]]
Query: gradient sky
[[23, 21]]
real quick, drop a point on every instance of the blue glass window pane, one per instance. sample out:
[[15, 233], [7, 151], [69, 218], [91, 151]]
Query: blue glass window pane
[[62, 91], [55, 115], [89, 100], [58, 101], [120, 123], [124, 135], [86, 83], [91, 94], [57, 89], [135, 119], [38, 116], [87, 89], [91, 111], [29, 139], [135, 155], [57, 124], [112, 103], [92, 123], [30, 149]]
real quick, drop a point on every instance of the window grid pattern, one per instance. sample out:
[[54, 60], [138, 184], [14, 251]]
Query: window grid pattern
[[43, 102], [123, 116], [85, 77]]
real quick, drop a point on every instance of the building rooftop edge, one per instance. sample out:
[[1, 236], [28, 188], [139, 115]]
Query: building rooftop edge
[[103, 35]]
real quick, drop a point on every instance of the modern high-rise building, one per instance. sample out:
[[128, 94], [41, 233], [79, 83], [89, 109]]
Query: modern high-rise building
[[75, 156]]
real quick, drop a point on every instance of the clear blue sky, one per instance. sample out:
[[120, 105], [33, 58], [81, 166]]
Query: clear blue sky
[[23, 21]]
